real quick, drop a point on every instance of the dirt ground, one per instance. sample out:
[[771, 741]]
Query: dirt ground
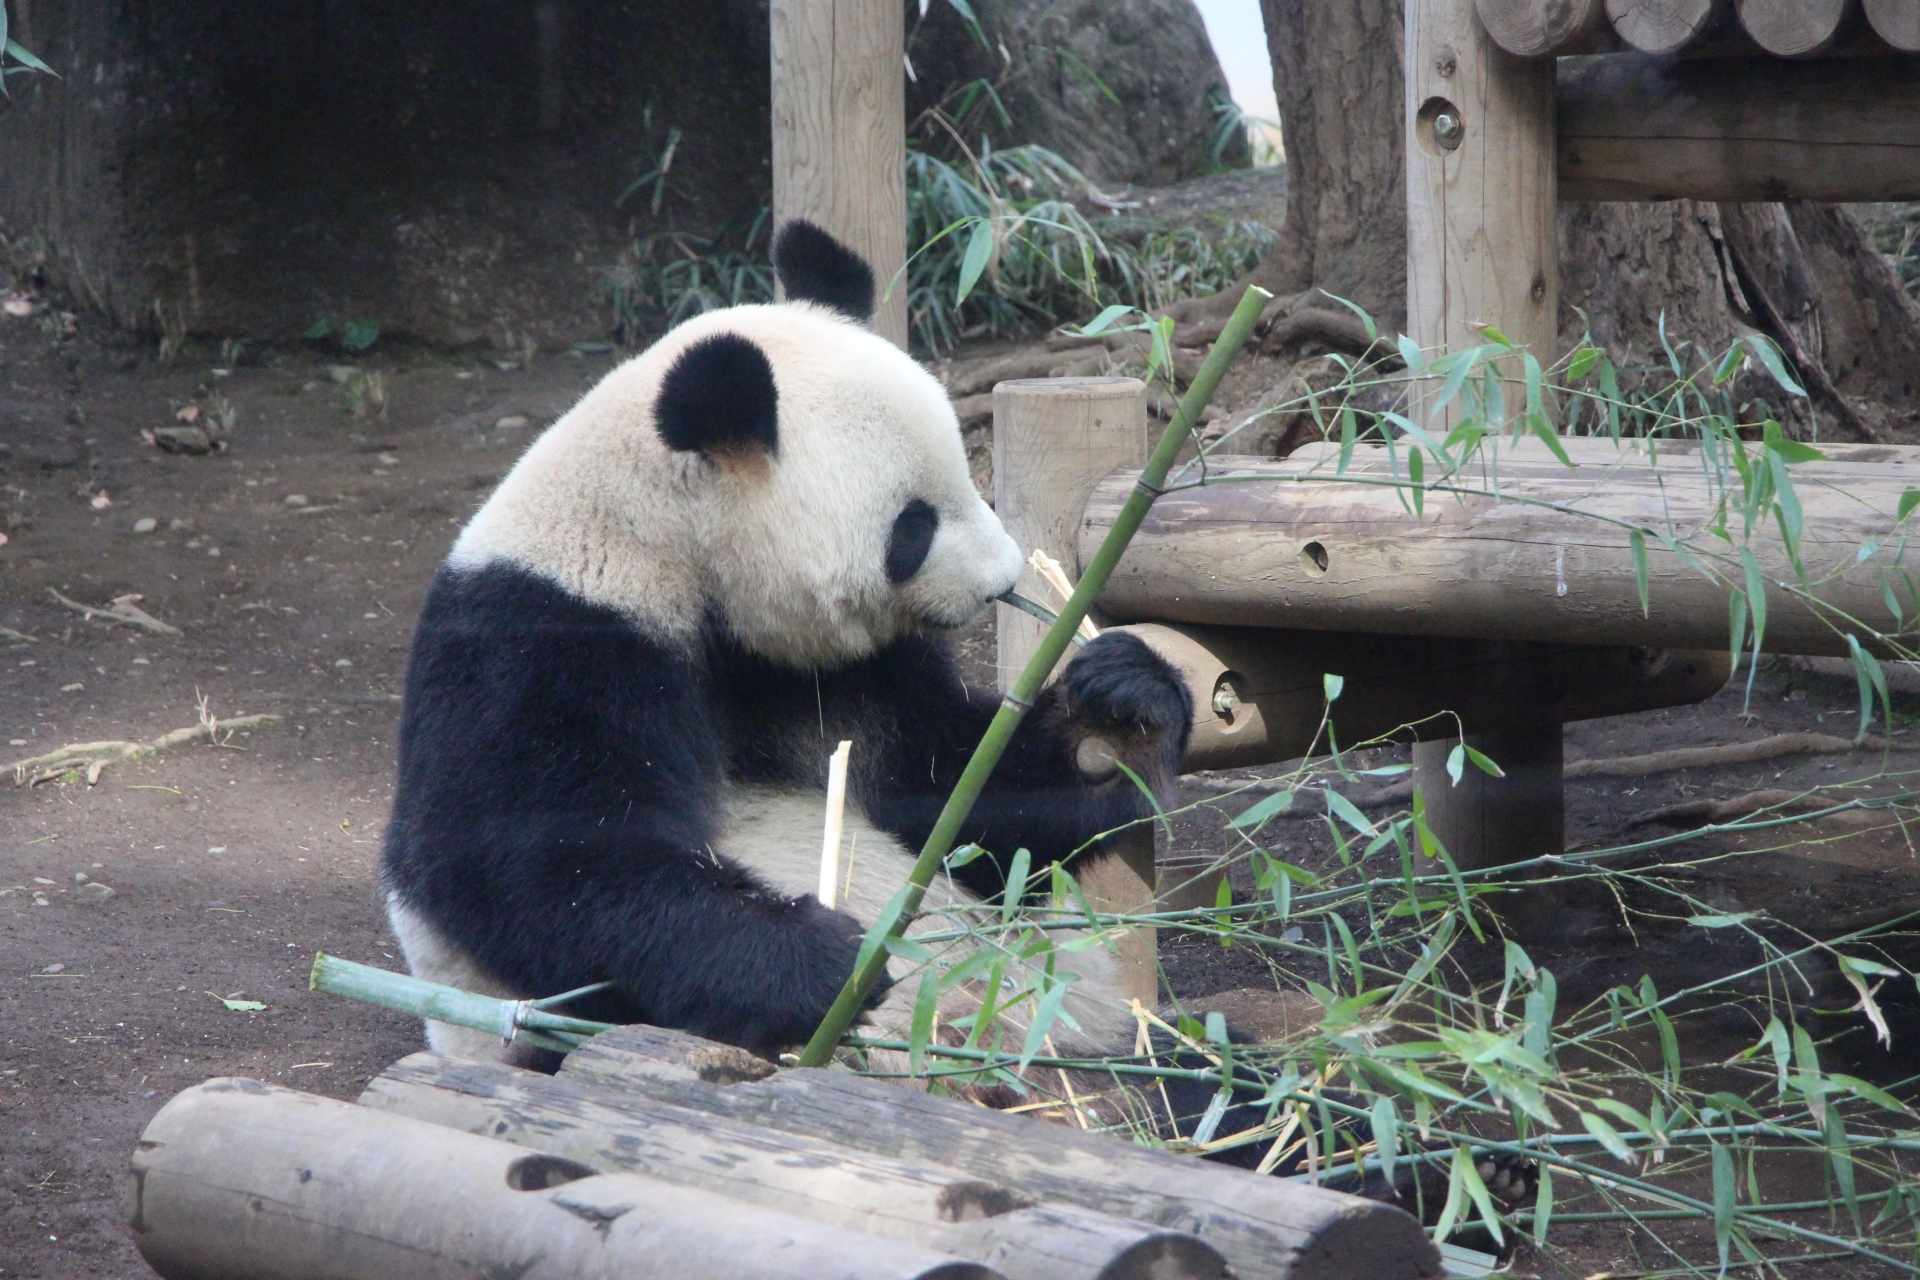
[[293, 563]]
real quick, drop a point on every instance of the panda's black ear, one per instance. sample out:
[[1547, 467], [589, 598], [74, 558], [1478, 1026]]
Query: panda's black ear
[[814, 267], [718, 397]]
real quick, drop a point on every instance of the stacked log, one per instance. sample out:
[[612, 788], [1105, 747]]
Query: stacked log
[[1780, 28], [657, 1153]]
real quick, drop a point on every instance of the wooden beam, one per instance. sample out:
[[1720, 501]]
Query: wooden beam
[[1548, 28], [1798, 28], [1639, 128], [1267, 1228], [1294, 546], [1259, 694], [1668, 26], [1053, 440], [839, 134], [234, 1180], [1897, 22], [920, 1204], [1480, 184]]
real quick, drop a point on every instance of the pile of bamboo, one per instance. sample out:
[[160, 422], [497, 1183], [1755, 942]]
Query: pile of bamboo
[[654, 1153], [1781, 28]]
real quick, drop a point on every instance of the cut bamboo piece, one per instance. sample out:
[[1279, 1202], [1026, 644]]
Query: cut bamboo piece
[[1292, 546], [237, 1180], [1797, 28], [1267, 1228], [918, 1203], [1638, 128], [1543, 28], [1897, 22], [1667, 26], [836, 816]]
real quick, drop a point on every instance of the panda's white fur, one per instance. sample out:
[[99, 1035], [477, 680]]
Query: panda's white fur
[[632, 668]]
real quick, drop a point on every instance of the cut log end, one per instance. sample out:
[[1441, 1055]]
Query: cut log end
[[1666, 26], [1795, 28], [1544, 28], [1897, 22]]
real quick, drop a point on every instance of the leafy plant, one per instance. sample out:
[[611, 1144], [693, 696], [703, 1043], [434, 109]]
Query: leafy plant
[[16, 59]]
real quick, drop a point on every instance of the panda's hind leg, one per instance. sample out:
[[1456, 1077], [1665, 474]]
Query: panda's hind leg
[[433, 957]]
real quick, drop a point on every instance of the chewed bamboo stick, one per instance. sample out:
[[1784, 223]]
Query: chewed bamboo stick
[[836, 814], [1055, 576]]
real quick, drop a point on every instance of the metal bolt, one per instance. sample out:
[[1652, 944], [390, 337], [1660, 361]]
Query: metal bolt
[[1226, 700], [1448, 130]]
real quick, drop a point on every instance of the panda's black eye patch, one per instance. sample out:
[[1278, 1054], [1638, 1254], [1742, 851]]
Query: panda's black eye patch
[[912, 538]]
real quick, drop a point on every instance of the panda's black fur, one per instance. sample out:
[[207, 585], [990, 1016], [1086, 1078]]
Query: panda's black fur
[[561, 769]]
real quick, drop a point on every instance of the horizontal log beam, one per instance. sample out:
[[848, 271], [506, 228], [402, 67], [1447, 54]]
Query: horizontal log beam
[[1259, 694], [235, 1180], [1634, 127], [1292, 545], [1702, 28], [810, 1178], [1267, 1228]]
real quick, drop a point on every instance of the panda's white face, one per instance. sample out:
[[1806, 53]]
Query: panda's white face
[[861, 524]]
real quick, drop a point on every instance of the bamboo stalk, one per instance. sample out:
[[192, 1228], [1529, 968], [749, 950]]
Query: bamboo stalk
[[525, 1021], [1019, 699]]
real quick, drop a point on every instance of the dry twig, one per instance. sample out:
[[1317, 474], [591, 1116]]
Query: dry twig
[[122, 609], [95, 756], [1780, 744]]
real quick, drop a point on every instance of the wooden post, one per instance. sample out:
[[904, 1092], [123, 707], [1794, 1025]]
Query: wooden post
[[839, 134], [1487, 821], [1481, 199], [1054, 439]]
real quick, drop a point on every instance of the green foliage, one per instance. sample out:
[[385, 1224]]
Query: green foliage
[[999, 247], [16, 59]]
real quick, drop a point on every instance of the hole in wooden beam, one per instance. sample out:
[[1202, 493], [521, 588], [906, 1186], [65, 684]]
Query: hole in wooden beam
[[1316, 557], [539, 1173]]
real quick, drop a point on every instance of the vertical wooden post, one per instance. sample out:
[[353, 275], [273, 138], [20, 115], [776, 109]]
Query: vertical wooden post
[[840, 134], [1054, 439], [1481, 197], [1485, 821]]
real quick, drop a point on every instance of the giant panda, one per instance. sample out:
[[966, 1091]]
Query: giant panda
[[741, 547]]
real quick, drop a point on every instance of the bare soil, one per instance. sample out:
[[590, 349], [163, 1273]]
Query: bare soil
[[231, 863]]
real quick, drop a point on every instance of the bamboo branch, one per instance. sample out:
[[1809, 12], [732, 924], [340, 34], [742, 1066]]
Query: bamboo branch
[[1014, 706], [95, 756], [525, 1021]]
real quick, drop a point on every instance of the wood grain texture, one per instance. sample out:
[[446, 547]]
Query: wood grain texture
[[1053, 440], [1410, 687], [1638, 128], [1895, 21], [1548, 28], [1797, 28], [238, 1180], [923, 1205], [1232, 553], [839, 134], [1267, 1228], [1668, 26], [1480, 213]]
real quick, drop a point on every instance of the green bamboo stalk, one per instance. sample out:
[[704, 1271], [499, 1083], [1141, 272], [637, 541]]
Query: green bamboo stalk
[[1019, 699], [520, 1020]]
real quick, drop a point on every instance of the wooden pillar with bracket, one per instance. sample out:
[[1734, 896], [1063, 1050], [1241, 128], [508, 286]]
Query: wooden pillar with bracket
[[1054, 439], [1481, 250], [840, 134]]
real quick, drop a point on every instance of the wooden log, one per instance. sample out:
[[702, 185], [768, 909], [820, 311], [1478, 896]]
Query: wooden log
[[236, 1180], [1668, 26], [1266, 1228], [1053, 440], [1548, 28], [1895, 21], [1798, 28], [1639, 128], [810, 1178], [839, 134], [1259, 693], [1481, 245], [1295, 547]]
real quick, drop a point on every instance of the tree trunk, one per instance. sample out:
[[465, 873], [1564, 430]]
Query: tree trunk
[[1804, 274]]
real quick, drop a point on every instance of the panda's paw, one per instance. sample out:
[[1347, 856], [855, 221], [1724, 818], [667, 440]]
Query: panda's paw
[[1117, 685], [1512, 1180]]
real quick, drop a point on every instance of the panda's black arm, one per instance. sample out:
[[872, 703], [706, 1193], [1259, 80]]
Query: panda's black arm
[[916, 726], [558, 790]]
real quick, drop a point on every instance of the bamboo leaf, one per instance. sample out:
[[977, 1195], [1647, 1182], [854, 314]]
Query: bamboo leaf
[[1737, 639], [1100, 322], [1416, 469], [1456, 1193], [1386, 1134], [1669, 1046], [1608, 1136], [1332, 685], [1258, 814], [979, 251], [1790, 451], [1638, 542], [1723, 1198], [1483, 763], [1769, 355], [1457, 762], [1344, 809], [1909, 499], [1582, 363], [26, 58], [1483, 1202], [1809, 1081], [1016, 886], [1840, 1156], [1775, 1038], [1494, 335], [1544, 429], [1456, 378], [1348, 432], [1410, 352], [1871, 678], [1756, 596], [1543, 1204], [1044, 1016], [926, 1002], [1366, 321]]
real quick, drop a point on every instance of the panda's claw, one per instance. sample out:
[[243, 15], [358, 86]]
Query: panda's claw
[[1118, 682]]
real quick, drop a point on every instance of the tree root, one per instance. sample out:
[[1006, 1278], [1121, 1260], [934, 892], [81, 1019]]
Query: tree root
[[96, 756], [1780, 744], [1695, 813]]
